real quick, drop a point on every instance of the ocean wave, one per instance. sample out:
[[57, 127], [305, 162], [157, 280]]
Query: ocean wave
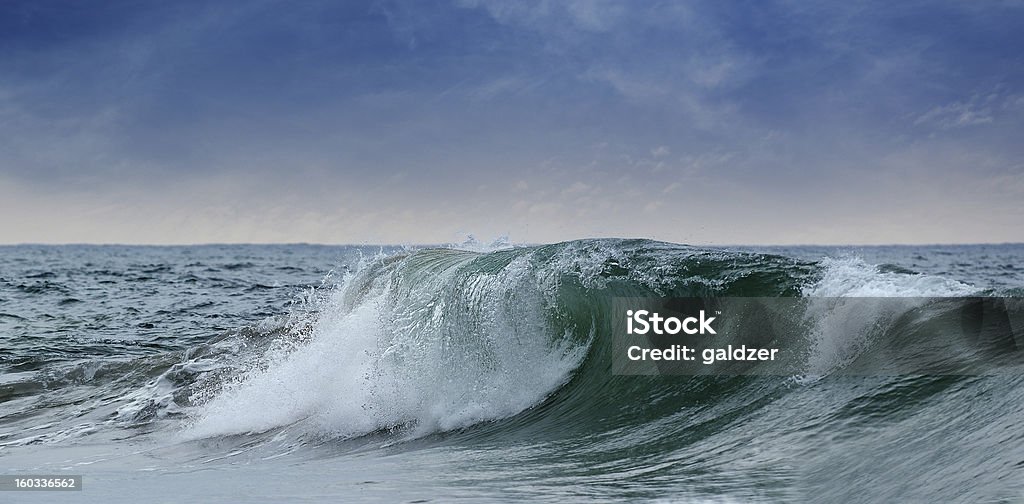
[[438, 340]]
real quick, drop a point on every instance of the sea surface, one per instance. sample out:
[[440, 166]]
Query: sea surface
[[302, 373]]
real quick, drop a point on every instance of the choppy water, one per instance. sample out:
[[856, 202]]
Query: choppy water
[[312, 373]]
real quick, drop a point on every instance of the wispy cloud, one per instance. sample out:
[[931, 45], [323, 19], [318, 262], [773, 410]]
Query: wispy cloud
[[958, 115]]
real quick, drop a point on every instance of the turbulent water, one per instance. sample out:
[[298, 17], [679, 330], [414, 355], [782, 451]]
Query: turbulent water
[[312, 373]]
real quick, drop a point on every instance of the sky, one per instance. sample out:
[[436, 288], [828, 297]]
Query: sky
[[703, 122]]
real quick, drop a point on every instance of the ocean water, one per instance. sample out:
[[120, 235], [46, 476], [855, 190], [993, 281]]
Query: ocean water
[[299, 373]]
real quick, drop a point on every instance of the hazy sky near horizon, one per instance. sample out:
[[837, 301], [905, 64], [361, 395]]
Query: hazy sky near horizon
[[706, 122]]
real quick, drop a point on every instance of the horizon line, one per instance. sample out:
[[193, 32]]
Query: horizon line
[[511, 245]]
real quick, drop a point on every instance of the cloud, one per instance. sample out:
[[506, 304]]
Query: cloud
[[555, 17], [958, 115], [406, 122]]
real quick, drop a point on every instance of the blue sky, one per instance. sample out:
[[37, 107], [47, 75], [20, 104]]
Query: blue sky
[[753, 122]]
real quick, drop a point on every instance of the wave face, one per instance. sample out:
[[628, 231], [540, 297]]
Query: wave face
[[509, 350], [438, 340], [432, 341]]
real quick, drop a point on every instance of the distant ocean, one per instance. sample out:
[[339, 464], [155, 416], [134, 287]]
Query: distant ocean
[[301, 373]]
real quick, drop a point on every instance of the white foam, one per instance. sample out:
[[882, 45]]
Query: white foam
[[842, 328], [472, 244], [415, 342], [852, 277]]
